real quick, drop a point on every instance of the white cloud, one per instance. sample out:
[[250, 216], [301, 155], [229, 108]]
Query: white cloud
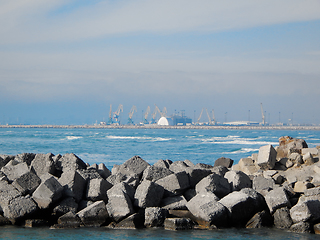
[[27, 21]]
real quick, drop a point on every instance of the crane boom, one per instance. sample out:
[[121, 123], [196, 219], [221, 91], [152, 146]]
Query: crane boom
[[145, 121], [263, 116], [213, 117], [164, 112], [110, 115], [133, 109], [200, 116], [208, 117], [117, 113], [154, 114]]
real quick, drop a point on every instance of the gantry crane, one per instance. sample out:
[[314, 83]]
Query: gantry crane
[[133, 109], [145, 121], [116, 114], [263, 116], [197, 123], [154, 114], [110, 116]]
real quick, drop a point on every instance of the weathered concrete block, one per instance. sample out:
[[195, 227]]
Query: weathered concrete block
[[196, 175], [7, 193], [276, 199], [73, 184], [148, 194], [282, 218], [103, 171], [119, 203], [220, 170], [153, 173], [174, 184], [208, 209], [174, 203], [288, 145], [94, 215], [308, 210], [241, 208], [178, 224], [88, 174], [131, 179], [308, 159], [135, 165], [4, 159], [15, 171], [204, 166], [300, 187], [260, 219], [226, 162], [214, 183], [260, 183], [97, 189], [27, 183], [19, 207], [31, 223], [43, 163], [178, 166], [134, 221], [238, 180], [313, 151], [267, 157], [47, 193], [163, 163], [301, 227], [64, 206], [68, 220], [155, 216], [247, 166], [189, 163], [25, 158], [69, 162]]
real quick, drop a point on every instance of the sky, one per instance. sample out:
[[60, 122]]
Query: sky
[[66, 61]]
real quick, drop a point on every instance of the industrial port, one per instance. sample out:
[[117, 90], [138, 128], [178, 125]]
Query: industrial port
[[161, 118]]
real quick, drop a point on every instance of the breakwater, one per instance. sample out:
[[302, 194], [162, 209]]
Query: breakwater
[[174, 195]]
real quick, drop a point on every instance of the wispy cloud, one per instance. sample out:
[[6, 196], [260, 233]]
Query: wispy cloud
[[28, 21]]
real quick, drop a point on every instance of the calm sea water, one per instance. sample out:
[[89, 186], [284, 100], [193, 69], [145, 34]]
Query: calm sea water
[[115, 146]]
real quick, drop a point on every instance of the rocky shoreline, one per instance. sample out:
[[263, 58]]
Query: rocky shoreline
[[278, 187]]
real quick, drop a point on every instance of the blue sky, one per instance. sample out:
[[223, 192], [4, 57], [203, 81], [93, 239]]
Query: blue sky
[[66, 61]]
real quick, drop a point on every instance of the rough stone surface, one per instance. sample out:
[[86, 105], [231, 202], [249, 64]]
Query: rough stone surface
[[47, 193], [288, 145], [119, 203], [226, 162], [103, 171], [174, 184], [155, 216], [267, 157], [163, 163], [134, 221], [64, 206], [27, 183], [73, 184], [68, 220], [260, 183], [196, 175], [301, 227], [260, 219], [174, 203], [148, 194], [94, 215], [7, 193], [308, 210], [178, 224], [178, 166], [282, 218], [70, 162], [97, 189], [247, 166], [43, 163], [19, 207], [135, 165], [276, 199], [214, 183], [154, 173], [25, 158], [208, 209], [15, 171], [238, 180]]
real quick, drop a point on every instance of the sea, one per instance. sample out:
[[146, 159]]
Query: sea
[[115, 146]]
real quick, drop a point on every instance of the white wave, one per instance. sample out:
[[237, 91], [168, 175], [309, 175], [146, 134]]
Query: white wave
[[242, 150], [73, 137], [243, 142], [138, 138]]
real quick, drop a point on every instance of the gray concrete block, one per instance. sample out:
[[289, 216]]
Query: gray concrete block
[[94, 215], [267, 157], [27, 183], [155, 216], [148, 194], [174, 184], [214, 183], [97, 189], [43, 163]]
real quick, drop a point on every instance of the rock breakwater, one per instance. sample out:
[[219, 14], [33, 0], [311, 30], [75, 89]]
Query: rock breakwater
[[277, 187]]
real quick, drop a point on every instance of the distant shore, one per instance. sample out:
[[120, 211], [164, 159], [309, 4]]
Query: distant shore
[[151, 126]]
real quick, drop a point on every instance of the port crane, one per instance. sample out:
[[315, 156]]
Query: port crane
[[116, 114], [199, 117], [263, 116], [213, 117], [209, 118], [145, 121], [110, 116], [133, 109], [154, 114]]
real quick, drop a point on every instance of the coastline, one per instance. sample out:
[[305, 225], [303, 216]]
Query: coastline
[[317, 128]]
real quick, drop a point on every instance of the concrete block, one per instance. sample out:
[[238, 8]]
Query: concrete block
[[155, 216], [94, 215], [178, 224], [68, 220], [148, 194], [267, 157], [282, 218], [153, 173], [238, 180], [25, 158], [69, 162], [260, 219], [214, 183], [7, 193], [97, 189], [276, 199], [134, 221], [48, 192], [43, 163], [174, 203], [174, 184], [103, 171], [27, 183], [73, 184], [64, 206], [163, 163], [135, 165], [226, 162], [15, 171]]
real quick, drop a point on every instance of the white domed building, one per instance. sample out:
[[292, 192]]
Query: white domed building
[[163, 121]]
